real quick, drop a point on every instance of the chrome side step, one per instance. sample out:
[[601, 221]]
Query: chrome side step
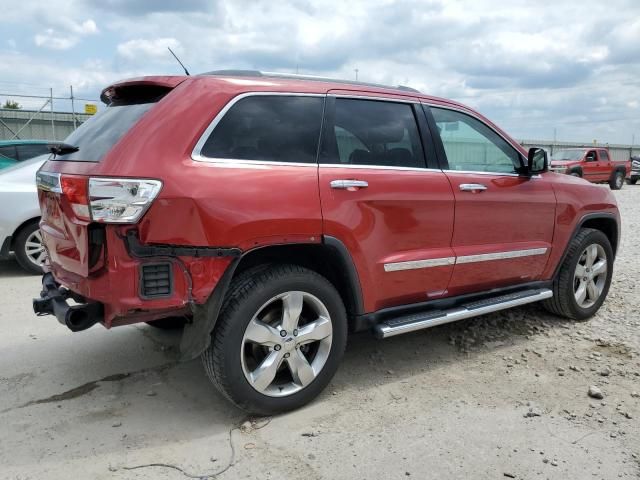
[[418, 321]]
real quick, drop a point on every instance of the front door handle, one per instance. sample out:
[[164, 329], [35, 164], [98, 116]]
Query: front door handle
[[472, 187], [348, 184]]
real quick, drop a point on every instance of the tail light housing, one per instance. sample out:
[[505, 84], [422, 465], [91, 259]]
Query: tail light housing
[[121, 200], [103, 200]]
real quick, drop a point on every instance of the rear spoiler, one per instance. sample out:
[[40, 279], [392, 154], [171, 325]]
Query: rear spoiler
[[141, 87]]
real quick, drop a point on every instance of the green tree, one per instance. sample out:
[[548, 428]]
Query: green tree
[[12, 104]]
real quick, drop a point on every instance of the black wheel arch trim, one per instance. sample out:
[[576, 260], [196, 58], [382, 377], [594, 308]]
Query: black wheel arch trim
[[577, 170], [619, 169], [196, 336], [5, 251], [350, 271], [579, 226]]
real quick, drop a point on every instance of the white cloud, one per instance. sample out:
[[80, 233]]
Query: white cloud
[[528, 66], [66, 35], [143, 49], [88, 27], [54, 41]]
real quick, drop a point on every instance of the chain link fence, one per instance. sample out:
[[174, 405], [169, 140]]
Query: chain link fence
[[42, 117]]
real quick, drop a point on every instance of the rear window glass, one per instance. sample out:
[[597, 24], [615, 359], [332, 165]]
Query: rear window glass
[[269, 128], [95, 137], [25, 152]]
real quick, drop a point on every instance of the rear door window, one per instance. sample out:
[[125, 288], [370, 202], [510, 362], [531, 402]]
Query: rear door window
[[95, 137], [604, 156], [275, 128], [372, 132]]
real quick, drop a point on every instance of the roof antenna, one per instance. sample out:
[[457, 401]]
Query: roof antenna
[[181, 64]]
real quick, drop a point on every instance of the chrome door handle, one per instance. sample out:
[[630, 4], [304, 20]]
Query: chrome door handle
[[346, 184], [472, 187]]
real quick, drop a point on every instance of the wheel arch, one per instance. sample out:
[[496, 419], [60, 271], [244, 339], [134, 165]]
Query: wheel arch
[[605, 222], [576, 169], [330, 259], [20, 227]]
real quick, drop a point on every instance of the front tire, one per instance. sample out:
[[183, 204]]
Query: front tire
[[278, 340], [632, 180], [617, 181], [29, 250], [583, 281]]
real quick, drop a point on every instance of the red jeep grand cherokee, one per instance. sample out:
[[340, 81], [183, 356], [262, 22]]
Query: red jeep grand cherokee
[[273, 214]]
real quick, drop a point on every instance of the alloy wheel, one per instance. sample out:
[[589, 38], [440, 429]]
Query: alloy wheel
[[34, 249], [590, 276], [286, 344]]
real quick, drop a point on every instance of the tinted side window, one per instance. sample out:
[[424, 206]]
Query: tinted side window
[[604, 156], [25, 152], [272, 128], [472, 146], [371, 132]]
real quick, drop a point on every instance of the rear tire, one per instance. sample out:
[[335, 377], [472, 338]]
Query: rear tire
[[617, 181], [578, 270], [28, 248], [260, 330]]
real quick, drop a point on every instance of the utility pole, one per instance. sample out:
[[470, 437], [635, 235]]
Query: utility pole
[[73, 108], [356, 70], [53, 124]]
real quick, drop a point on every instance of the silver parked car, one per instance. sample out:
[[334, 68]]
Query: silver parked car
[[20, 215]]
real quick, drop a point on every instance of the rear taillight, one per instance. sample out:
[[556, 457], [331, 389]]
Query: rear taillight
[[75, 189], [121, 200], [103, 200]]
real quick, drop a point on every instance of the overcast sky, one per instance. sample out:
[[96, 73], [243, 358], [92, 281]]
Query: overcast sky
[[530, 66]]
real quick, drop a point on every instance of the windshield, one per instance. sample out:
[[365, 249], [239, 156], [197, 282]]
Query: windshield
[[95, 137], [568, 155]]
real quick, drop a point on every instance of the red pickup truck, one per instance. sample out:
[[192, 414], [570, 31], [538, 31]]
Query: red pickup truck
[[275, 215], [593, 164]]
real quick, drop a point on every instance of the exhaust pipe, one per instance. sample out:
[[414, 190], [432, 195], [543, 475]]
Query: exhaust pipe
[[53, 301]]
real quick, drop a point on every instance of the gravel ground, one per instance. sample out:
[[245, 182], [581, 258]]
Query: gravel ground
[[502, 396]]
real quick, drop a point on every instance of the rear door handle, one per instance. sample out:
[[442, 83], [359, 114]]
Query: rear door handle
[[347, 184], [472, 187]]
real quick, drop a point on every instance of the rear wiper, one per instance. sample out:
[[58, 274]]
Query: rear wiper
[[61, 148]]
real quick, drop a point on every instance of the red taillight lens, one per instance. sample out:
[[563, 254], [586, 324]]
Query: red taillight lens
[[76, 190]]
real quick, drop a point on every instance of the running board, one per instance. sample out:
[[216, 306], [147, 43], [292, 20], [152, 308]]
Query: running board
[[418, 321]]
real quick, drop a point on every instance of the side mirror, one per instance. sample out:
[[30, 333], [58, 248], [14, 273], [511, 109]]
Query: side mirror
[[537, 161]]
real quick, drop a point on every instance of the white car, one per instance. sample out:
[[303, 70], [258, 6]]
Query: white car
[[20, 215]]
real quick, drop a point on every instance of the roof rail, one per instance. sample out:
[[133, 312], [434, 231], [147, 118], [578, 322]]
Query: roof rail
[[295, 76]]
